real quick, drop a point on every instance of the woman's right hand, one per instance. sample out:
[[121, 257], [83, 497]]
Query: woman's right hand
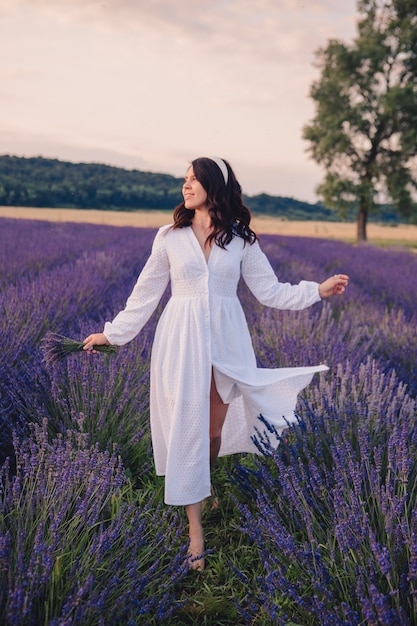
[[96, 339]]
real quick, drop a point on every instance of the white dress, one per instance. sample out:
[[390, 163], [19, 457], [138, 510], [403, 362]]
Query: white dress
[[203, 327]]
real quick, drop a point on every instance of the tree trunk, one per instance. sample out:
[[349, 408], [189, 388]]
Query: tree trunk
[[361, 221]]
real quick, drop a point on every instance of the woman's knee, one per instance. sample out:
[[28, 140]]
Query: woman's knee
[[215, 437]]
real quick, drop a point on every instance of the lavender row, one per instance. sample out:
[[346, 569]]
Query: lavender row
[[122, 577], [384, 276], [72, 295], [75, 295], [334, 518], [363, 337], [74, 285], [30, 247], [74, 541]]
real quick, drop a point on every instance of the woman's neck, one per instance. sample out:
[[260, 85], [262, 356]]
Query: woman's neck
[[202, 219]]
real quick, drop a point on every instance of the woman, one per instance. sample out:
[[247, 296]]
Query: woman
[[206, 391]]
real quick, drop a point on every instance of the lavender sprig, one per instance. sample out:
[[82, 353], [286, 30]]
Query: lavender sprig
[[57, 347]]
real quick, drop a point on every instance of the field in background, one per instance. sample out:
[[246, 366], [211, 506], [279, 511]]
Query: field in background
[[403, 234]]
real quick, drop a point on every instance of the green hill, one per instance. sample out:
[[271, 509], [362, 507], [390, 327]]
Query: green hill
[[40, 182], [52, 183]]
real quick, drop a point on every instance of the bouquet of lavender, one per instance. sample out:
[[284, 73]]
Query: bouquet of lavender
[[56, 347]]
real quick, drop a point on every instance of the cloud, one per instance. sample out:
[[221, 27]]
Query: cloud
[[264, 29], [55, 147], [152, 84]]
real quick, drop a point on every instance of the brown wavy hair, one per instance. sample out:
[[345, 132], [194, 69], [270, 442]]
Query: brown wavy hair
[[229, 216]]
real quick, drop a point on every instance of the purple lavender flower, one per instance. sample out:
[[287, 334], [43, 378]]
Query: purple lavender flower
[[341, 556], [330, 513], [73, 545]]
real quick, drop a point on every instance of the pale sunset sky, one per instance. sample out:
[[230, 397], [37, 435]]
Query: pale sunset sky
[[150, 85]]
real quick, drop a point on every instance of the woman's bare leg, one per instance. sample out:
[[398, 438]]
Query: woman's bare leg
[[218, 412], [196, 535]]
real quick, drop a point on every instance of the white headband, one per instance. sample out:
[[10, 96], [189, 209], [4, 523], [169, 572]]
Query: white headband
[[222, 165]]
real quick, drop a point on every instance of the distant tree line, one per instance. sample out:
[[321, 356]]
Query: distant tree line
[[40, 182]]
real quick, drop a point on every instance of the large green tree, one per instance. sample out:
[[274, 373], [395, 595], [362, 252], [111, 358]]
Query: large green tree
[[364, 132]]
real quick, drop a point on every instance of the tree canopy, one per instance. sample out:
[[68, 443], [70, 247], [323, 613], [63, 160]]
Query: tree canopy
[[364, 132]]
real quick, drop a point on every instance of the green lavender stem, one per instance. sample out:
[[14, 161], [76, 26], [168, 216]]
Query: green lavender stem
[[56, 347]]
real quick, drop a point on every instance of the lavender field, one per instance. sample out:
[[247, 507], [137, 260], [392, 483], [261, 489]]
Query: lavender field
[[321, 532]]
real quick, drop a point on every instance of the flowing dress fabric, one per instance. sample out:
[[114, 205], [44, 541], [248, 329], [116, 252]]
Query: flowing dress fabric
[[203, 329]]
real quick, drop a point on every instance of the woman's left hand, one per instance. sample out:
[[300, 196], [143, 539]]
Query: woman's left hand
[[333, 286]]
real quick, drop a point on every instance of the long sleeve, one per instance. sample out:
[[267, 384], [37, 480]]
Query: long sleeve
[[263, 283], [144, 298]]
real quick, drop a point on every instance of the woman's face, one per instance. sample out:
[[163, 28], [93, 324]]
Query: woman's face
[[195, 196]]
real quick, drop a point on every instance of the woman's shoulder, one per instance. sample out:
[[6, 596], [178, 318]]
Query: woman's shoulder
[[162, 232], [169, 235], [164, 229], [170, 231]]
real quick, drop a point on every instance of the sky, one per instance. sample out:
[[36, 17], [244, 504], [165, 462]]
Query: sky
[[153, 84]]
